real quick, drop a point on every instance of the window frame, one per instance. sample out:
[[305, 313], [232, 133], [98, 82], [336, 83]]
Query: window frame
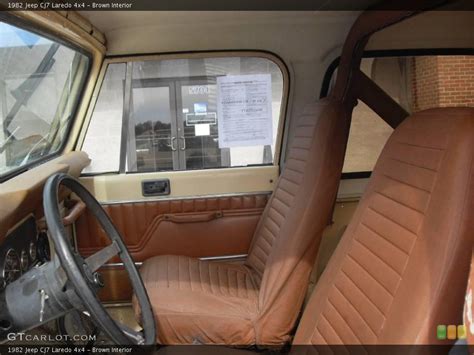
[[27, 26], [380, 53], [114, 59]]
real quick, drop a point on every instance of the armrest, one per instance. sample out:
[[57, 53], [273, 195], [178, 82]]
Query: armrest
[[193, 218]]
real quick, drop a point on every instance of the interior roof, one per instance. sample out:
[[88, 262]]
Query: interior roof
[[131, 32], [152, 32]]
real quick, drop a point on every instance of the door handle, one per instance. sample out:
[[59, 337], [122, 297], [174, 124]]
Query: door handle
[[171, 145], [184, 143], [156, 187]]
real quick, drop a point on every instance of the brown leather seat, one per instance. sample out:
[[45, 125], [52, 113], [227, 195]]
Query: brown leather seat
[[468, 313], [258, 302], [401, 267], [469, 306]]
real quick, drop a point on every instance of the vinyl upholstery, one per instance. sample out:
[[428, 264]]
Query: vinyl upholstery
[[401, 267], [258, 302], [149, 229], [468, 306]]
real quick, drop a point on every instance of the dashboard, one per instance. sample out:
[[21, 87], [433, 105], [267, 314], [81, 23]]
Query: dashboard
[[22, 249], [21, 234]]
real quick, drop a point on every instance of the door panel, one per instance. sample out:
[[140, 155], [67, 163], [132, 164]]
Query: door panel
[[200, 227], [119, 288], [209, 182], [215, 196], [203, 227]]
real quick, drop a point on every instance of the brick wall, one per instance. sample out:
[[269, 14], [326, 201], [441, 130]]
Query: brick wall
[[441, 81]]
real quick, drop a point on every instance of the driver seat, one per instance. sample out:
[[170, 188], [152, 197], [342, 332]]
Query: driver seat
[[202, 302]]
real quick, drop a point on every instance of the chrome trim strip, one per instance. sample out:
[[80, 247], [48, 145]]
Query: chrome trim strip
[[111, 265], [209, 258], [168, 198], [127, 97], [224, 257]]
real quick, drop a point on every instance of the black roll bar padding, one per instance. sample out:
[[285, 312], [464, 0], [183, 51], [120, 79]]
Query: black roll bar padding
[[378, 100]]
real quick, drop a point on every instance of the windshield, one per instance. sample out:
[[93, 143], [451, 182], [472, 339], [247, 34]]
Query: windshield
[[40, 82]]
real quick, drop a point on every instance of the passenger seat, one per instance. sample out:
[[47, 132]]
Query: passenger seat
[[401, 267]]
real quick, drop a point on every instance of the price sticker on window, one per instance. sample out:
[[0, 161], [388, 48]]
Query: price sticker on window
[[244, 110]]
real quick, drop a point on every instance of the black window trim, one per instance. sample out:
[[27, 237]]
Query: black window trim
[[25, 25], [379, 54]]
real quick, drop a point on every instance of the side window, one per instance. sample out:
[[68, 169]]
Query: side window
[[106, 123], [186, 114], [368, 132], [416, 83], [367, 137]]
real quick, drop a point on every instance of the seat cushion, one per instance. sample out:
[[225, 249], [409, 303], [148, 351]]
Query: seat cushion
[[197, 301]]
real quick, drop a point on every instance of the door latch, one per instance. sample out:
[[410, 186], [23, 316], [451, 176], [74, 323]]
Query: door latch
[[156, 187]]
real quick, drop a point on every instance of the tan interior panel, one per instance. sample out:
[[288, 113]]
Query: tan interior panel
[[402, 35], [23, 195], [191, 183]]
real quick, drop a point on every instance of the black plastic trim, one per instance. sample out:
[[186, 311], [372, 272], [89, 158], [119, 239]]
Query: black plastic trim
[[386, 53], [356, 175]]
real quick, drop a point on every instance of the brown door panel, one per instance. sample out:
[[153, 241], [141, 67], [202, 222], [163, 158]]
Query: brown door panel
[[199, 227], [117, 285]]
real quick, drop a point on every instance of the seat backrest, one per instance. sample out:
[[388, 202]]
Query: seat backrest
[[401, 267], [286, 240]]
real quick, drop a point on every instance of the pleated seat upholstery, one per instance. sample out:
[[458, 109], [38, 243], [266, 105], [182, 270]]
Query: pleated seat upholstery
[[401, 267], [258, 302], [212, 296]]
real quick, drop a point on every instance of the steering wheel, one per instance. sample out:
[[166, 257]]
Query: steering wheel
[[82, 272]]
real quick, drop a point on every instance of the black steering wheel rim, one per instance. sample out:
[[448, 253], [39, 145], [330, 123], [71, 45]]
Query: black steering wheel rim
[[75, 272]]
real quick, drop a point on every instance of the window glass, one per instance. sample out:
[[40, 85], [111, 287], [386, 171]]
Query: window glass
[[151, 148], [368, 132], [416, 83], [173, 120], [367, 137], [40, 83], [202, 151], [102, 141]]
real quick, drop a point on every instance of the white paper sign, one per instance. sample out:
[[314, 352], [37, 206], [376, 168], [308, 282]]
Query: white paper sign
[[202, 130], [244, 110]]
